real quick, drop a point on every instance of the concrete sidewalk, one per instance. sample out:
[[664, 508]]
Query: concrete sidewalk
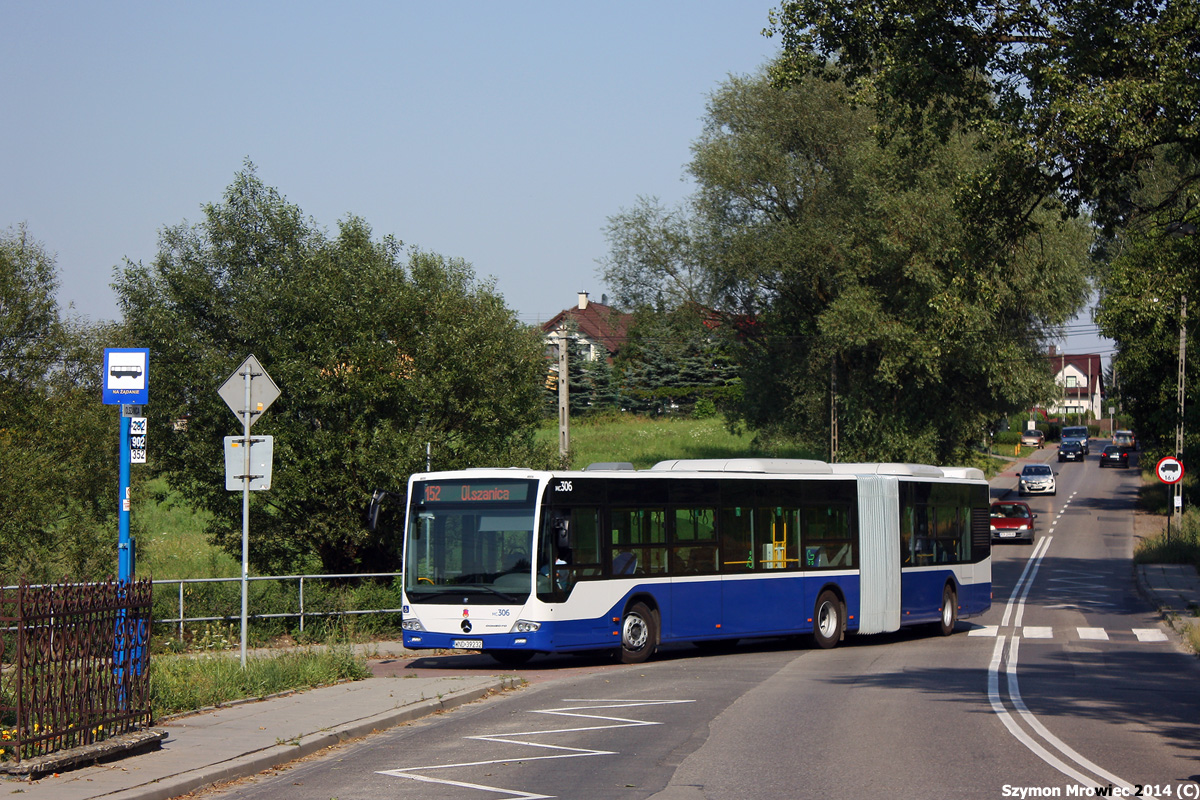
[[244, 739]]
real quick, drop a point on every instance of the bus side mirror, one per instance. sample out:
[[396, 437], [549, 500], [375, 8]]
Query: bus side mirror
[[377, 515], [562, 532], [371, 514]]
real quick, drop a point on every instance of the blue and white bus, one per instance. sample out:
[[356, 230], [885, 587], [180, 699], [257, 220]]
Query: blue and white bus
[[514, 562]]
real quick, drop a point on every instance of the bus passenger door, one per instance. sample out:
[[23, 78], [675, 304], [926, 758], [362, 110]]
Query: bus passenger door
[[695, 583]]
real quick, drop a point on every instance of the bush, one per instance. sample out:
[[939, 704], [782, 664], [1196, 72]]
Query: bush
[[705, 408]]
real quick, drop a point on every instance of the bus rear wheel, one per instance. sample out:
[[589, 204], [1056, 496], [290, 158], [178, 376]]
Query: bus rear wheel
[[949, 617], [827, 620], [639, 634]]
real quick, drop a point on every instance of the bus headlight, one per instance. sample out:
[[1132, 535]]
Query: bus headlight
[[526, 626], [411, 624]]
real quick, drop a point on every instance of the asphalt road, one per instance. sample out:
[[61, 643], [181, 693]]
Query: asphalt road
[[1067, 682]]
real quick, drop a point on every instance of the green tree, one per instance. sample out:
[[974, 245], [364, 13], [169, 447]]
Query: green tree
[[57, 441], [885, 268], [1078, 95], [1150, 269], [674, 358], [378, 352]]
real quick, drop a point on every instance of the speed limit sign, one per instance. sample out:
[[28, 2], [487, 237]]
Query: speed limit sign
[[1169, 469]]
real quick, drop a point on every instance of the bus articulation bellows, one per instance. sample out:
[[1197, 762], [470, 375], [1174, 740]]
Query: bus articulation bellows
[[514, 562]]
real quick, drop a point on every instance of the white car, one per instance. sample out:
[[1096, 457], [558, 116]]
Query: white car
[[1036, 479]]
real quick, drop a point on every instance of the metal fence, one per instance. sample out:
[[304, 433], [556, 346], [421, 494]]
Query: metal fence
[[301, 613], [74, 664]]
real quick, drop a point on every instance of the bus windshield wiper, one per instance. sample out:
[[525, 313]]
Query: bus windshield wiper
[[470, 588]]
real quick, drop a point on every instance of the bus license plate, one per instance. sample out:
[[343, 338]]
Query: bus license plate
[[468, 644]]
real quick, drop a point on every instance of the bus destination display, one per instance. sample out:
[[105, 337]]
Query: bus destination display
[[485, 491]]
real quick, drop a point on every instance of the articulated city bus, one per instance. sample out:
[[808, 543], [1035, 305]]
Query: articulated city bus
[[514, 562]]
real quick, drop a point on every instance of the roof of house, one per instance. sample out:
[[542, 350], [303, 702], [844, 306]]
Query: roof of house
[[596, 321], [1090, 365]]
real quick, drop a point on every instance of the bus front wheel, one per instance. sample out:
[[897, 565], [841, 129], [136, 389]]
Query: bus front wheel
[[827, 620], [639, 634]]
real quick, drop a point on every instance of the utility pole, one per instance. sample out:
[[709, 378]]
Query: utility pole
[[1178, 495], [833, 414], [564, 398]]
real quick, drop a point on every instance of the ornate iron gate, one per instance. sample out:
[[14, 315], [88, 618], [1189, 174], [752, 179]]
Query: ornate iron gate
[[74, 664]]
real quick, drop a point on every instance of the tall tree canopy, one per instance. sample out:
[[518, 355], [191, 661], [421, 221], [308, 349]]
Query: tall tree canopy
[[1151, 278], [1079, 94], [58, 462], [377, 352], [883, 269]]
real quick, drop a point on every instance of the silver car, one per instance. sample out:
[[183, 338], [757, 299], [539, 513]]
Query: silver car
[[1036, 479]]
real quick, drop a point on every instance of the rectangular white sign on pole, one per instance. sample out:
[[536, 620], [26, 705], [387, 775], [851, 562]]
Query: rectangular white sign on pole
[[262, 450]]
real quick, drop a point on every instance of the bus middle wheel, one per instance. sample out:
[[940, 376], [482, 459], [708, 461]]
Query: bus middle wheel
[[827, 620], [639, 634]]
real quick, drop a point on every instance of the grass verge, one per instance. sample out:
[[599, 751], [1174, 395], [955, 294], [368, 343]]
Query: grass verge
[[1178, 545], [183, 683]]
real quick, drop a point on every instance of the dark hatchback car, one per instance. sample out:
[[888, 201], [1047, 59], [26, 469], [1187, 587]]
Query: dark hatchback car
[[1114, 456], [1071, 451]]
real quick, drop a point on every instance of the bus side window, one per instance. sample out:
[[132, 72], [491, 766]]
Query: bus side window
[[736, 553], [906, 534], [570, 549], [694, 536], [828, 537]]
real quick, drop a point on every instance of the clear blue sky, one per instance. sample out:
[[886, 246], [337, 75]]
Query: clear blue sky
[[501, 133]]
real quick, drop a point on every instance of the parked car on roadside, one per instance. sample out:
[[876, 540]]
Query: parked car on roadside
[[1036, 479], [1071, 451], [1114, 455], [1033, 438], [1076, 433], [1012, 520]]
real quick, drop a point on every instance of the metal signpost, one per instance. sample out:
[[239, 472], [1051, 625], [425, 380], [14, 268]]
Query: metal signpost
[[248, 392], [1170, 471], [127, 384]]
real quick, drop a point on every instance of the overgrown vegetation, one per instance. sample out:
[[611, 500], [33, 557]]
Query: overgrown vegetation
[[1180, 544], [187, 683]]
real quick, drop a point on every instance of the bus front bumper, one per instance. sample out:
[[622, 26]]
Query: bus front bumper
[[534, 641]]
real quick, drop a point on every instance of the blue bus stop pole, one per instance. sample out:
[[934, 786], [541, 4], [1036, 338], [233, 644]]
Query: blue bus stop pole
[[124, 547]]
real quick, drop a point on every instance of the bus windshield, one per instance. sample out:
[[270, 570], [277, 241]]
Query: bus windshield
[[470, 539]]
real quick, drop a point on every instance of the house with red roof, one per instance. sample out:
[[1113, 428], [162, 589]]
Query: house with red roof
[[1080, 379], [596, 325]]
